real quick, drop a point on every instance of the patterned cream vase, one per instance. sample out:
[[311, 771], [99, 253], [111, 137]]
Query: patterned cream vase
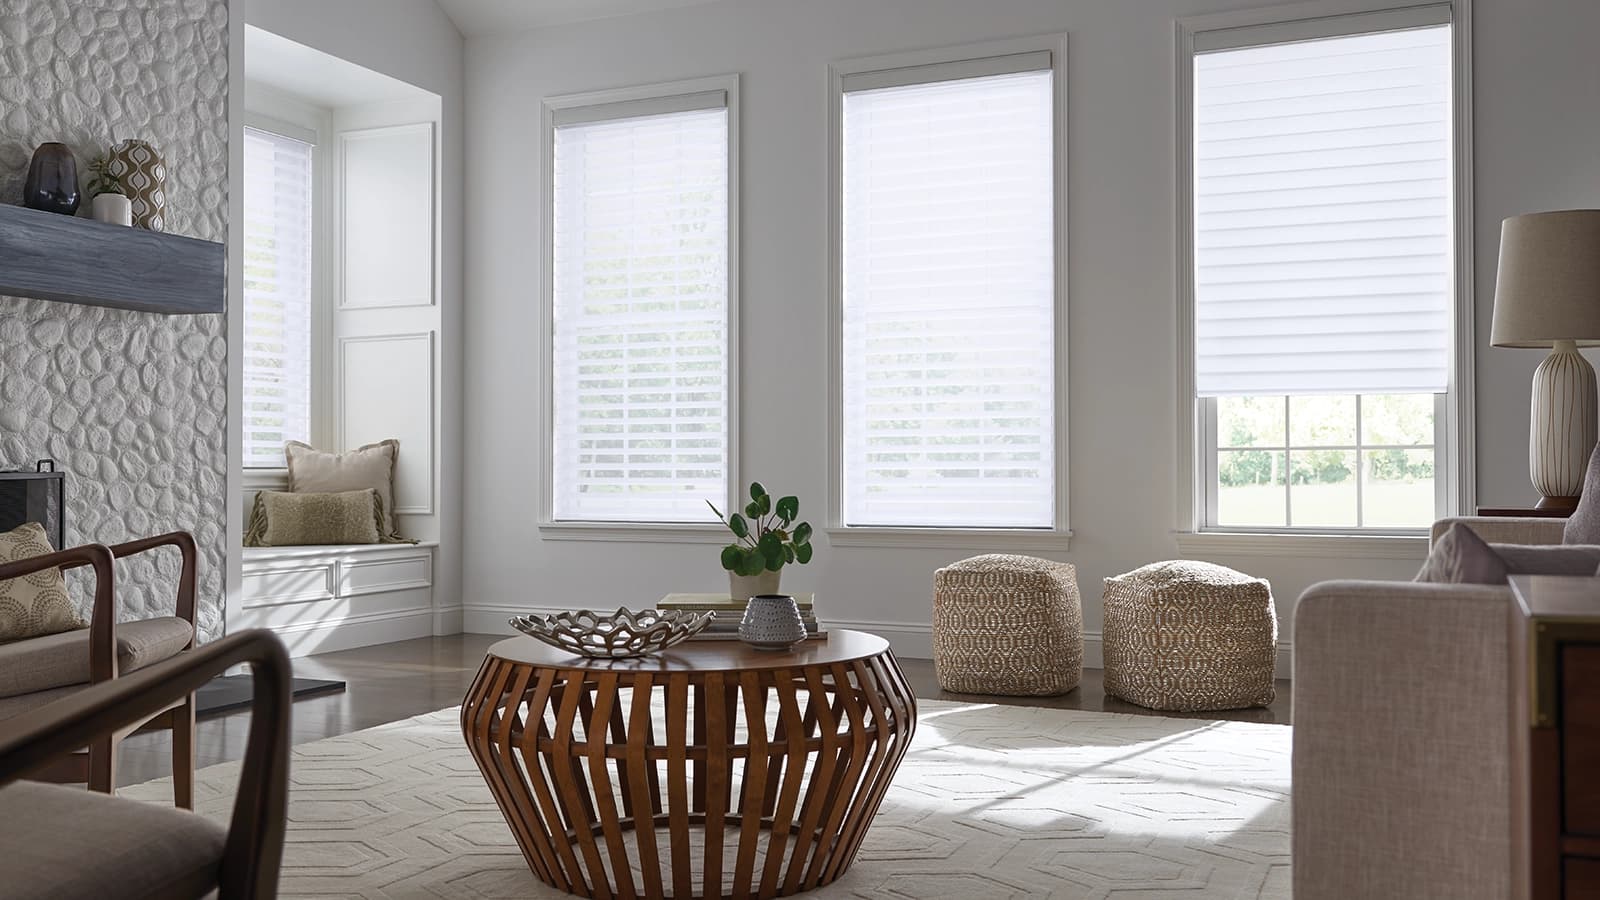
[[143, 174], [33, 605], [1188, 636], [1005, 624]]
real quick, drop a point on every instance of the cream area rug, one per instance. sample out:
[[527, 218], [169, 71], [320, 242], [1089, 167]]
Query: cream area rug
[[991, 802]]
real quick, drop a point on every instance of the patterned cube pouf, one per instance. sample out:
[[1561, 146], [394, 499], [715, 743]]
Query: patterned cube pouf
[[1190, 636], [1006, 624]]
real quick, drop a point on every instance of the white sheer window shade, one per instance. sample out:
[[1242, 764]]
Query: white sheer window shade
[[641, 365], [277, 295], [949, 298], [1323, 254]]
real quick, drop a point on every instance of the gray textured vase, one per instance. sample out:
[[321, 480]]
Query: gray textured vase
[[772, 622]]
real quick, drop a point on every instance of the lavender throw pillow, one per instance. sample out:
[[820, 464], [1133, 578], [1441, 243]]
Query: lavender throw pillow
[[1583, 527], [1462, 557]]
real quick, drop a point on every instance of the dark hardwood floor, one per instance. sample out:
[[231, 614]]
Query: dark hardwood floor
[[395, 681]]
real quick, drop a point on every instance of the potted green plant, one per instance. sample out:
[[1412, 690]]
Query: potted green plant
[[108, 203], [768, 538]]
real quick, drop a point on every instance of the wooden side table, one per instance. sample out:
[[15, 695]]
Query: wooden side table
[[736, 772], [1555, 678], [1524, 512]]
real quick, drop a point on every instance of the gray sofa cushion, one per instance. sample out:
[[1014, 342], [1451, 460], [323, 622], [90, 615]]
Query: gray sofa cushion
[[1462, 557], [61, 841], [60, 660]]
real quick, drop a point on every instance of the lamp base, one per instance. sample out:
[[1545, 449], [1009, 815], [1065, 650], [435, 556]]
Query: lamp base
[[1557, 504], [1562, 426]]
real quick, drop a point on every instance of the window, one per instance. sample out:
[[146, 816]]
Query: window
[[946, 319], [1324, 235], [277, 295], [641, 307]]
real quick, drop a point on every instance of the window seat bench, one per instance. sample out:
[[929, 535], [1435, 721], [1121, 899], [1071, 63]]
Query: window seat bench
[[336, 597]]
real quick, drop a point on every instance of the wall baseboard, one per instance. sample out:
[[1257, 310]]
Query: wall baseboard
[[350, 632], [912, 640]]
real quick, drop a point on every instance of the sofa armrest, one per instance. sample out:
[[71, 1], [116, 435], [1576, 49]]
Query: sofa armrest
[[1505, 529], [1401, 762]]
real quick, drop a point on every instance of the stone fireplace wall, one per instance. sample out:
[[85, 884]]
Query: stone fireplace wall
[[132, 405]]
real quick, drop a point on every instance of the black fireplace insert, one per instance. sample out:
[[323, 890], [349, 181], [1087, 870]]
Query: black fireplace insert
[[39, 496]]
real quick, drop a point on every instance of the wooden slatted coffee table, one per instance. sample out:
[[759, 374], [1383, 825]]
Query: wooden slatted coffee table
[[710, 770]]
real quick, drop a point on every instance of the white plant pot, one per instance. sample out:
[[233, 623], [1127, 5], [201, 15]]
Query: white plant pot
[[113, 209], [743, 587]]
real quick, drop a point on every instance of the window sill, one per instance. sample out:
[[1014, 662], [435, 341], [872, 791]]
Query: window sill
[[635, 533], [1340, 546], [992, 539], [266, 479]]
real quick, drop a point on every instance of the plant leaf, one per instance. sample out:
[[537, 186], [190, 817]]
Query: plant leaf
[[753, 509], [788, 553], [754, 563], [738, 526], [732, 555], [788, 508], [757, 491], [802, 533], [802, 553]]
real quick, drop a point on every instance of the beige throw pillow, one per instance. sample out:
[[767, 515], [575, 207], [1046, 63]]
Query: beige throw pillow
[[33, 605], [282, 519], [316, 471]]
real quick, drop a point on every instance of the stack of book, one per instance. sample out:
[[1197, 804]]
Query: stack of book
[[726, 613]]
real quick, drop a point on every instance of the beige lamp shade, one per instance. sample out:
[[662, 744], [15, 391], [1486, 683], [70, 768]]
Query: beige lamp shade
[[1548, 288]]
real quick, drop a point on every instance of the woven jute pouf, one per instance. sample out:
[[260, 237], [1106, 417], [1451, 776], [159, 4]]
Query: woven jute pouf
[[1190, 636], [1006, 624]]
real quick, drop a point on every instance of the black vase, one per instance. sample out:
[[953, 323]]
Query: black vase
[[52, 183]]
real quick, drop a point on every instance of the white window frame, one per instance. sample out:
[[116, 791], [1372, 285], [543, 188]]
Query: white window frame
[[1058, 537], [1453, 417], [550, 528], [271, 110]]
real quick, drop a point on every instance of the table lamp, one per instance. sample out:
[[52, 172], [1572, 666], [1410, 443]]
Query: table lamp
[[1548, 295]]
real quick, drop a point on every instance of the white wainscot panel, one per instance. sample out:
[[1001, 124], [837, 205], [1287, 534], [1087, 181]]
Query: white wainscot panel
[[387, 176], [358, 577], [386, 391], [321, 599]]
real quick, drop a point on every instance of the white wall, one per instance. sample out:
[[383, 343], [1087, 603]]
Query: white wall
[[1536, 76], [413, 41]]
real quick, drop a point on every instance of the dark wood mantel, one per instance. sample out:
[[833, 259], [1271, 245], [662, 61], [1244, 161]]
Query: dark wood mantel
[[68, 259]]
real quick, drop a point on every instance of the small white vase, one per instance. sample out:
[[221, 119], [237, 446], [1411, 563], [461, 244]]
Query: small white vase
[[772, 622], [743, 587], [113, 209]]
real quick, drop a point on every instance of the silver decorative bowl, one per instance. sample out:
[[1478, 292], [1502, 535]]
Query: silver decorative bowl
[[618, 635]]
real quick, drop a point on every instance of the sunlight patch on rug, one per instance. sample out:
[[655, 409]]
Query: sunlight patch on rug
[[992, 802]]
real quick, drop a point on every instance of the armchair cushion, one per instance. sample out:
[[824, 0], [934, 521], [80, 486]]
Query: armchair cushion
[[35, 604], [76, 843], [62, 660]]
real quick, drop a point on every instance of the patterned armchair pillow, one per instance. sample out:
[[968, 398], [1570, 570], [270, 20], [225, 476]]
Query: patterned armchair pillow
[[283, 519], [33, 605]]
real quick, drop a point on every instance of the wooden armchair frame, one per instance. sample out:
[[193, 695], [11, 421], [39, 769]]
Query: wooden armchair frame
[[98, 765], [33, 741]]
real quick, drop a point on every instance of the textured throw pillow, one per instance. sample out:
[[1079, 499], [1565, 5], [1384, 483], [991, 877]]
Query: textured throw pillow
[[1462, 557], [1583, 526], [282, 519], [33, 605], [316, 471]]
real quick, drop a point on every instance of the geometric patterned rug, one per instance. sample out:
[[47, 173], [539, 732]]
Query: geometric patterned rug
[[991, 802]]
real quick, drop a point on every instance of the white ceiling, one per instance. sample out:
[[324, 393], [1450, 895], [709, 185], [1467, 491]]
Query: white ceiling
[[475, 17], [316, 77]]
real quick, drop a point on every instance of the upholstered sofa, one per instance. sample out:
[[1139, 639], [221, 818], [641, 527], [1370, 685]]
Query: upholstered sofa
[[1402, 736]]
